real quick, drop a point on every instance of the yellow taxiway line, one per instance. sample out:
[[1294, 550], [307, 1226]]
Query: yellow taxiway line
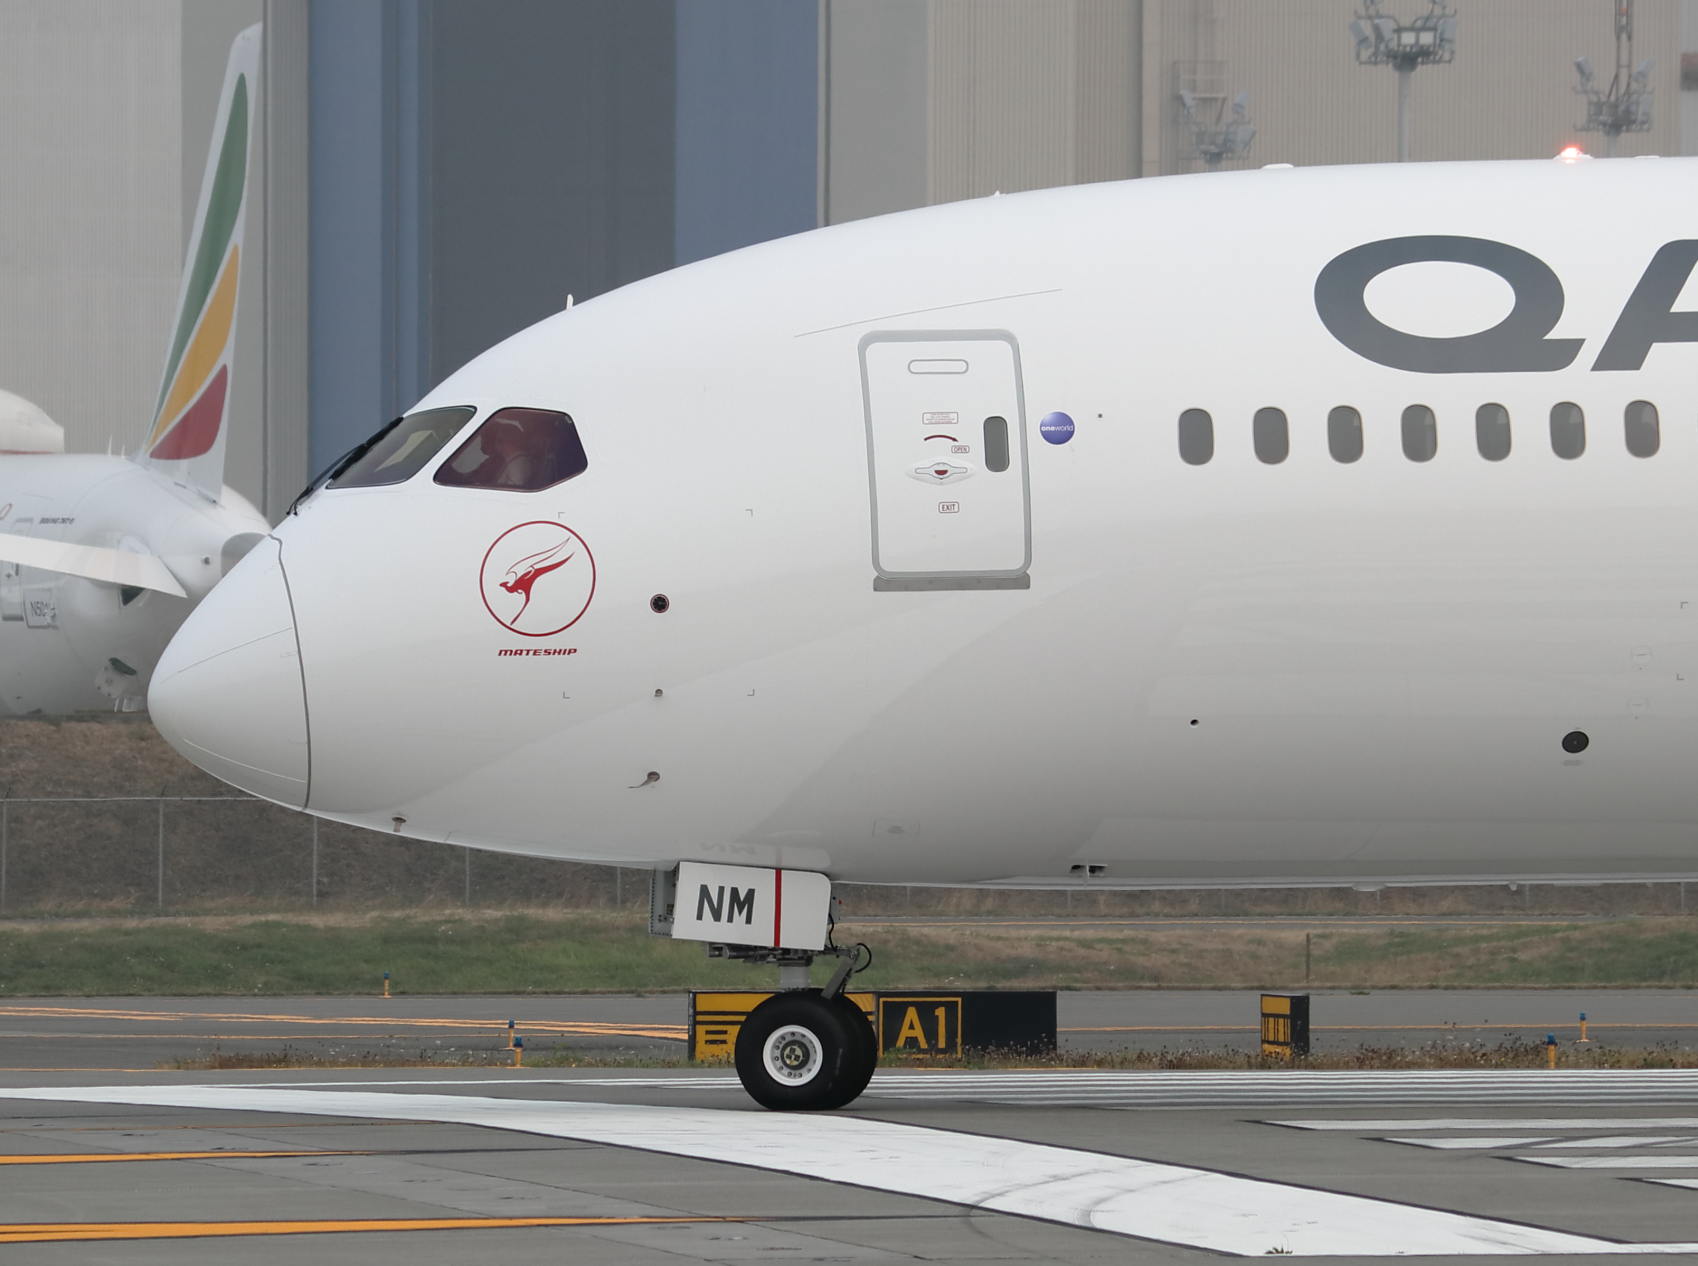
[[95, 1158], [42, 1232], [581, 1027]]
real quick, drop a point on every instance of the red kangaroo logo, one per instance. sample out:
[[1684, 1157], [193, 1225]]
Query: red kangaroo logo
[[540, 547], [527, 571]]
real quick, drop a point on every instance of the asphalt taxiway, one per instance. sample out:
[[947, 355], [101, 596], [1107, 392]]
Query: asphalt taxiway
[[125, 1161], [667, 1166], [143, 1033]]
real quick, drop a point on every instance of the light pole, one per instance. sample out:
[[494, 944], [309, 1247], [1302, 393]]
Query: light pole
[[1430, 40], [1626, 105]]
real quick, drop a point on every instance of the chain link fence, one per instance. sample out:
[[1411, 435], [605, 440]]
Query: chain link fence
[[106, 855], [145, 854]]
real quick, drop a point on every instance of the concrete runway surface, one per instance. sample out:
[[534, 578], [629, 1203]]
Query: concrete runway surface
[[661, 1166], [131, 1033]]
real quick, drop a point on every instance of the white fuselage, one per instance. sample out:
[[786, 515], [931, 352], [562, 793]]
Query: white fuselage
[[1233, 672], [60, 634]]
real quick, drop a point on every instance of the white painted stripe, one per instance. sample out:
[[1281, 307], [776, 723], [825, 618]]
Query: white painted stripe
[[1691, 1184], [1171, 1203], [1227, 1089], [1475, 1142], [1646, 1160], [1471, 1143], [1370, 1125], [1585, 1088], [1682, 1079], [1625, 1140]]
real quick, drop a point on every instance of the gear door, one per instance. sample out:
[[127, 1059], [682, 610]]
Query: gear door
[[946, 454]]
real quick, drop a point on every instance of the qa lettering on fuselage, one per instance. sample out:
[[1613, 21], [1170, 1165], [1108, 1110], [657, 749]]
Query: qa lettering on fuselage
[[1519, 343]]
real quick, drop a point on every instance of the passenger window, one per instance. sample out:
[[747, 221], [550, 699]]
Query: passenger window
[[1491, 431], [523, 450], [1344, 434], [1568, 430], [996, 445], [401, 449], [1272, 436], [1196, 437], [1644, 432], [1420, 434]]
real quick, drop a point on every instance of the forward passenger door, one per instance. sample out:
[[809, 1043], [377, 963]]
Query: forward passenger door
[[946, 457]]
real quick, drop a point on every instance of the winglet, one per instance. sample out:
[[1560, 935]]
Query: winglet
[[191, 415]]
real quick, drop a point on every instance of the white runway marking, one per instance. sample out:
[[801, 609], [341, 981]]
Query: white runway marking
[[1172, 1203], [1231, 1090], [1625, 1140], [1647, 1160], [1471, 1143], [1091, 1088], [1493, 1123], [1225, 1089], [1490, 1143], [1170, 1089]]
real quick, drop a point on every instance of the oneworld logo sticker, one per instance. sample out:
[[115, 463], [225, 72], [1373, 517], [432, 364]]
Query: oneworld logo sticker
[[538, 578]]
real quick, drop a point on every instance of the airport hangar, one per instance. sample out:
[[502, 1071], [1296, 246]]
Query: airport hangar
[[438, 175]]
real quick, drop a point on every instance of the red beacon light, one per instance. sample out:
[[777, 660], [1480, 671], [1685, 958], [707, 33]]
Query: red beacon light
[[1572, 154]]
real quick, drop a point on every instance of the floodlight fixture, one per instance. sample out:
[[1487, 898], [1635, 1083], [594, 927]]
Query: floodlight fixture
[[1218, 138], [1430, 40], [1625, 106]]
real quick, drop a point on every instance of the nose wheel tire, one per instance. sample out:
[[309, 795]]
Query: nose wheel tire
[[866, 1058], [798, 1052]]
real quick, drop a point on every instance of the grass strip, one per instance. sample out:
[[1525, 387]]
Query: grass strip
[[543, 951]]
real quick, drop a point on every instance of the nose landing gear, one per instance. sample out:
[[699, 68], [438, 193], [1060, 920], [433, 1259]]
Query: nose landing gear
[[807, 1049]]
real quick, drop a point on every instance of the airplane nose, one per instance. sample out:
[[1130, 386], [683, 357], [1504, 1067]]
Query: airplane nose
[[228, 693]]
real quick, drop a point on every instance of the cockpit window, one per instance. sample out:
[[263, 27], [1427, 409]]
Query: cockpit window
[[523, 450], [401, 449]]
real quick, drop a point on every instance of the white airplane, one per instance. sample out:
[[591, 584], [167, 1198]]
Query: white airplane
[[1285, 527], [102, 557]]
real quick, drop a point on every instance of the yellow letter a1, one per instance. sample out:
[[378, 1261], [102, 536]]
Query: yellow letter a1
[[911, 1028]]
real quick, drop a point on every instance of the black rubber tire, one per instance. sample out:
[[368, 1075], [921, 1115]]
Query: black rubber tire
[[822, 1051], [866, 1057]]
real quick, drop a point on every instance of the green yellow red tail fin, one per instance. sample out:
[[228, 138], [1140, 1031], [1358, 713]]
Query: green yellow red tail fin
[[191, 415]]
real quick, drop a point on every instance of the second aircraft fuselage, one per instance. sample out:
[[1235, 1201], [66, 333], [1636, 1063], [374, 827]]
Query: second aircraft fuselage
[[69, 644]]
